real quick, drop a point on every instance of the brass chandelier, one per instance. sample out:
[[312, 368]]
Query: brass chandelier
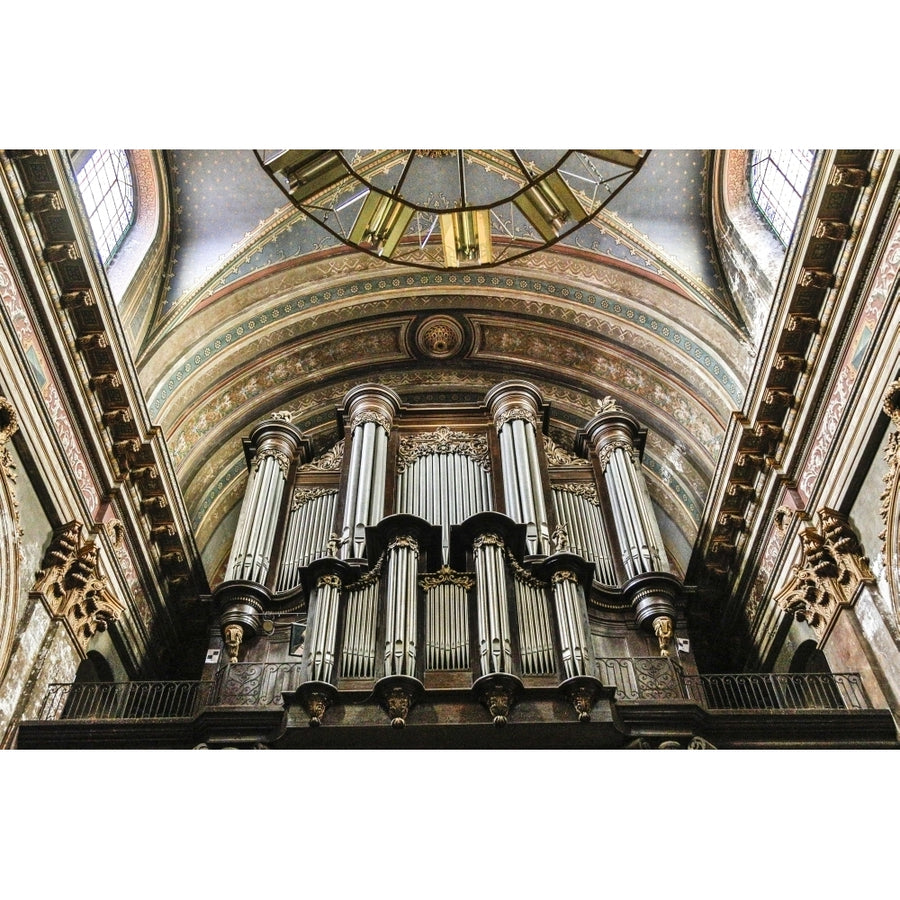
[[440, 209]]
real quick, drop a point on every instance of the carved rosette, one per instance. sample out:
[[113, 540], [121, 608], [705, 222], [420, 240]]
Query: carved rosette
[[830, 573], [443, 440]]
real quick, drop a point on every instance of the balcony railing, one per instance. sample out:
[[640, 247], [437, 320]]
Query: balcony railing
[[260, 686], [810, 690], [126, 700]]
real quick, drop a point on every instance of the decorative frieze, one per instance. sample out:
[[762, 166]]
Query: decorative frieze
[[446, 575]]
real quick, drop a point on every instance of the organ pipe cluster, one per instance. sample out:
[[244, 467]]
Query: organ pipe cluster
[[445, 548]]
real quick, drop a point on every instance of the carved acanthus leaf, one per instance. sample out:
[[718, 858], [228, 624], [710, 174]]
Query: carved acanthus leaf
[[328, 461], [581, 489], [302, 496], [446, 575], [443, 440], [559, 456]]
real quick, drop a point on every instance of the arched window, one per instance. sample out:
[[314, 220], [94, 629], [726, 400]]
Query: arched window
[[107, 188], [777, 182]]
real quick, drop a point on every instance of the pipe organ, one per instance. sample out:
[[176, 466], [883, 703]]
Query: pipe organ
[[446, 547]]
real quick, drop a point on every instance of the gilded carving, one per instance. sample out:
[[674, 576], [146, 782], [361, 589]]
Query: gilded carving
[[608, 404], [831, 570], [558, 456], [233, 635], [70, 582], [560, 538], [499, 701], [583, 701], [606, 452], [523, 575], [328, 581], [487, 540], [302, 496], [664, 631], [443, 440], [564, 575], [280, 457], [398, 703], [446, 575], [581, 489], [515, 412], [329, 461], [404, 542], [370, 415]]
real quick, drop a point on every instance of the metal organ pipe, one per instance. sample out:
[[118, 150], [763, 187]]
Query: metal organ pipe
[[516, 409], [370, 409]]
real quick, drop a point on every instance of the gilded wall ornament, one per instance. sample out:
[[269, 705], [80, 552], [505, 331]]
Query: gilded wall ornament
[[830, 573], [443, 440], [73, 588]]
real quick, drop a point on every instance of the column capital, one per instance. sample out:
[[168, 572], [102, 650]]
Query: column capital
[[369, 403], [516, 400]]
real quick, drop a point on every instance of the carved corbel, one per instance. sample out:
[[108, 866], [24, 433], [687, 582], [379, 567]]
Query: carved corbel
[[61, 252], [233, 635], [664, 630], [76, 299], [95, 340], [832, 230]]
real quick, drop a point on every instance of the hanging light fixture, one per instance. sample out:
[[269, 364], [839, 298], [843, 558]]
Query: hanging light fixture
[[439, 209]]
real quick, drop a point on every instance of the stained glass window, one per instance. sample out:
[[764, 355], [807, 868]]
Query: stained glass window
[[107, 188], [777, 182]]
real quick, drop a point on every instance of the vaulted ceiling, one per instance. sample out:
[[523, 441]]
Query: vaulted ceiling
[[262, 310]]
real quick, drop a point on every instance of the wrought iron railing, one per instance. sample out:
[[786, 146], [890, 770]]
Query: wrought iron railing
[[641, 677], [126, 700], [796, 691], [260, 686]]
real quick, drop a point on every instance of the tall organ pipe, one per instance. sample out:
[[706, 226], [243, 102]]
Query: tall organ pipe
[[369, 410], [515, 407]]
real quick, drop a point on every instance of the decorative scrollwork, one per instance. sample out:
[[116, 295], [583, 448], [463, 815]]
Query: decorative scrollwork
[[559, 456], [487, 540], [404, 542], [830, 572], [302, 496], [564, 575], [515, 412], [370, 415], [329, 461], [328, 581], [605, 452], [580, 489], [446, 575], [443, 440], [280, 457]]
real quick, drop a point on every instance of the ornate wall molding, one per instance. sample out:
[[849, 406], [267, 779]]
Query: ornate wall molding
[[890, 499], [10, 534], [71, 585], [829, 576]]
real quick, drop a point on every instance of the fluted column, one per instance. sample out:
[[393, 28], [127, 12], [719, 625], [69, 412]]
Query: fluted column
[[613, 433], [516, 409], [273, 448], [370, 411]]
